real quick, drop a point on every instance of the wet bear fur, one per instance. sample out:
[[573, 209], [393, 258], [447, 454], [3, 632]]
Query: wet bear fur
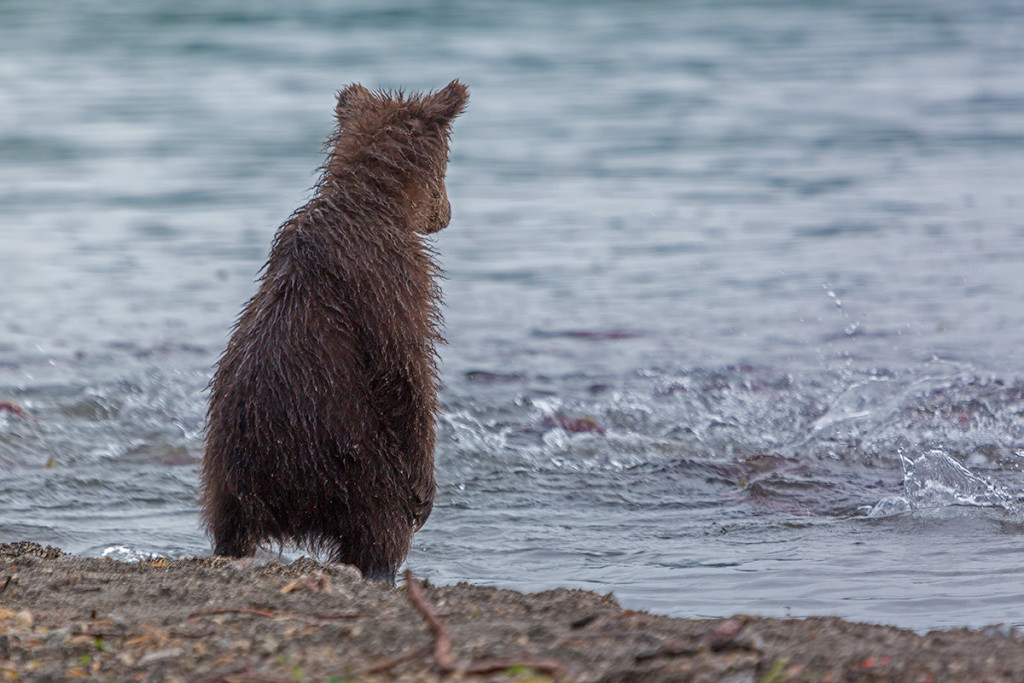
[[322, 408]]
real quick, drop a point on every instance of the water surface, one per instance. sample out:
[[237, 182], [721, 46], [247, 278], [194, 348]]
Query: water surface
[[733, 291]]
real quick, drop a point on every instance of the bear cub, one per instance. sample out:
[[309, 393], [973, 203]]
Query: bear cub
[[320, 428]]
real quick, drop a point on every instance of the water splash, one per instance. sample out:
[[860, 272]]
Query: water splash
[[126, 553], [832, 295], [936, 480]]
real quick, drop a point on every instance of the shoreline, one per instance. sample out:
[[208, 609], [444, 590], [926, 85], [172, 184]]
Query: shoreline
[[212, 619]]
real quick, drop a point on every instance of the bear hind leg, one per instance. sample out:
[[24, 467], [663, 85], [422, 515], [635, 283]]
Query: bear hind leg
[[373, 566], [228, 525]]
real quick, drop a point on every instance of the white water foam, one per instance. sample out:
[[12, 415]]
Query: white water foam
[[936, 480]]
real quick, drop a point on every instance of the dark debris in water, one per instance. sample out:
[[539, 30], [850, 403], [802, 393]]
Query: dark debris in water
[[966, 403], [168, 348], [10, 407], [578, 424], [485, 377], [592, 335]]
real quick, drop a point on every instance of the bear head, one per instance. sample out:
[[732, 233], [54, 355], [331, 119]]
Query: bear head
[[396, 146]]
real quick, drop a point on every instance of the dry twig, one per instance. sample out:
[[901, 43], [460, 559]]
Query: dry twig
[[235, 610], [390, 662], [222, 676], [490, 666], [274, 614], [99, 634], [337, 615], [443, 642]]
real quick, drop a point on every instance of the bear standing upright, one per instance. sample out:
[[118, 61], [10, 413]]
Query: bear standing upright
[[322, 408]]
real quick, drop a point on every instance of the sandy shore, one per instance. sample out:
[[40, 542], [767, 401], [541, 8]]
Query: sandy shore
[[210, 619]]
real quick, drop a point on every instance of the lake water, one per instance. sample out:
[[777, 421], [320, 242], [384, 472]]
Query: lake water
[[735, 290]]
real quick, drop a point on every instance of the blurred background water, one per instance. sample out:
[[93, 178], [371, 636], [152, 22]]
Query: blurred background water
[[734, 293]]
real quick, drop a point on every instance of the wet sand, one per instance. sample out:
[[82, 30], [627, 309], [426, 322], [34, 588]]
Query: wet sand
[[211, 619]]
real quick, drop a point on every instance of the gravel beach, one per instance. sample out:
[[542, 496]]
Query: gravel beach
[[212, 619]]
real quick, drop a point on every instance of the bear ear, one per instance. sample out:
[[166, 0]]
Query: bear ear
[[350, 100], [447, 103]]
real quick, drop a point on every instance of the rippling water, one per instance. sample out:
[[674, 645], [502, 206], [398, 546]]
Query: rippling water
[[734, 291]]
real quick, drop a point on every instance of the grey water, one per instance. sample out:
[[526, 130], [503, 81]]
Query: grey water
[[734, 295]]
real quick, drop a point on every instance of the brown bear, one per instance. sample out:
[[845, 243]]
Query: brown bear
[[322, 408]]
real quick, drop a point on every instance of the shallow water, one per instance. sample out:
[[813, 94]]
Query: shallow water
[[733, 298]]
